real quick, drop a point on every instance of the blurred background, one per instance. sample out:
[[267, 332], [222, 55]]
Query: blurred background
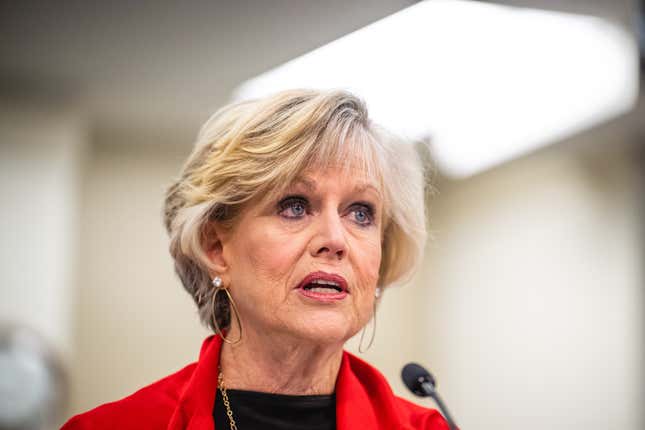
[[529, 308]]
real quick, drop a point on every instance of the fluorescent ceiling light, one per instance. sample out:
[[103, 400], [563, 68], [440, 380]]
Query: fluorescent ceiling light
[[485, 83]]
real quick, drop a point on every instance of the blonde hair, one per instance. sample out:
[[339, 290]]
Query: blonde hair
[[257, 148]]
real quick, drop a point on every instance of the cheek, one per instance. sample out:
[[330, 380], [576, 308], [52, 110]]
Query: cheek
[[270, 256], [369, 262]]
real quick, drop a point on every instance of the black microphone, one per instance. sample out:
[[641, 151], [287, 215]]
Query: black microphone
[[420, 382]]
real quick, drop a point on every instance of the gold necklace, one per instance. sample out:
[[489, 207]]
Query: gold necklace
[[227, 404]]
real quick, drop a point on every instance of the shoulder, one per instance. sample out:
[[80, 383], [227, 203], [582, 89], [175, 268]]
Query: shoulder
[[418, 417], [149, 407], [364, 384]]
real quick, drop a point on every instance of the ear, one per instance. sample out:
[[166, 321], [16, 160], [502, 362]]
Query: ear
[[212, 244]]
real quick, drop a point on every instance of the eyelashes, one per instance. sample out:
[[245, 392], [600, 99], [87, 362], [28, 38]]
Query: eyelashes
[[296, 207], [363, 213], [293, 207]]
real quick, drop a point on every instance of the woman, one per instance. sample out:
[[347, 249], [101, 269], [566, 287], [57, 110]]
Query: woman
[[290, 217]]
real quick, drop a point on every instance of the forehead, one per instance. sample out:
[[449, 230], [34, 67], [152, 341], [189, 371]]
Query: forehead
[[313, 181]]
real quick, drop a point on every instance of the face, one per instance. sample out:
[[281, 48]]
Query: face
[[307, 264]]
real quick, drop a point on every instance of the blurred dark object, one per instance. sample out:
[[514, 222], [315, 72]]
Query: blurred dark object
[[640, 32], [33, 388]]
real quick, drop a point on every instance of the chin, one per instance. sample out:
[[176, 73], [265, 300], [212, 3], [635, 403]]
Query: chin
[[326, 328]]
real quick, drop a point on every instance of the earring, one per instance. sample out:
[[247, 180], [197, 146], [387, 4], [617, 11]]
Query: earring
[[218, 284], [377, 295]]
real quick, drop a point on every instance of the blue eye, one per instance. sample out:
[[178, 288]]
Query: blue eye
[[293, 207], [363, 214]]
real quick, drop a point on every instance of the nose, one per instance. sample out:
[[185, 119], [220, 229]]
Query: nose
[[329, 240]]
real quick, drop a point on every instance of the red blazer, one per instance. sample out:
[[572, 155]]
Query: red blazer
[[185, 400]]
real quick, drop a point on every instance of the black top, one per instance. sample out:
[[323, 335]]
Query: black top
[[253, 410]]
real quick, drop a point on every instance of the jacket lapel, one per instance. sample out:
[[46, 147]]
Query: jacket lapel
[[363, 397], [195, 408]]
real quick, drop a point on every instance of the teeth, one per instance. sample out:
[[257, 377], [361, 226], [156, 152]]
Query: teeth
[[326, 286], [321, 290], [324, 282]]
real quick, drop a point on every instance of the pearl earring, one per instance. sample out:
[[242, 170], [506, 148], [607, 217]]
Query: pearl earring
[[377, 292], [217, 282]]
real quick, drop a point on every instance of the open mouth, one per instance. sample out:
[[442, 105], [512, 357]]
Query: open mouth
[[323, 286]]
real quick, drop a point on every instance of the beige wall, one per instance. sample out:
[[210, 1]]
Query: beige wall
[[134, 322], [41, 148], [536, 294]]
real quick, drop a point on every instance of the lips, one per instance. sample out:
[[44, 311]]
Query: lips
[[322, 286], [324, 280]]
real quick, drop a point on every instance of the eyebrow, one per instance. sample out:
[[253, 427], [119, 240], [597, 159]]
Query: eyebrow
[[310, 185]]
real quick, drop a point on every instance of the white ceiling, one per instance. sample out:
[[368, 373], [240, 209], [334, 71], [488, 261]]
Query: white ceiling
[[162, 61], [168, 64]]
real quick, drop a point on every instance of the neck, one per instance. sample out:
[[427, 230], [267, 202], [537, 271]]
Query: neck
[[280, 364]]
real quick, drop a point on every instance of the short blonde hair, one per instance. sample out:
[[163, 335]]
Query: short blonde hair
[[257, 148]]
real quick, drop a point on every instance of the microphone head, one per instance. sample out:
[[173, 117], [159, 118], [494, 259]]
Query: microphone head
[[414, 375]]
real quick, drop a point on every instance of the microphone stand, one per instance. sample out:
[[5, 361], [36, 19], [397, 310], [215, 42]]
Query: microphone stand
[[429, 389]]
